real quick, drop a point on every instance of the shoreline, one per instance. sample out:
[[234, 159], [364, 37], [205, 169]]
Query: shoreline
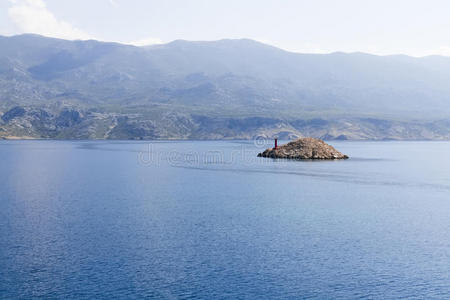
[[29, 138]]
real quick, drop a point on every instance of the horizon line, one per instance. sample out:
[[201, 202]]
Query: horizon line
[[224, 39]]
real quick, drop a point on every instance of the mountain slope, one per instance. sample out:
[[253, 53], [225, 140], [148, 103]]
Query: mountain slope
[[168, 91]]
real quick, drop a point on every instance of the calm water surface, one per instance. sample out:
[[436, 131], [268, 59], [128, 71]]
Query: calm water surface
[[210, 220]]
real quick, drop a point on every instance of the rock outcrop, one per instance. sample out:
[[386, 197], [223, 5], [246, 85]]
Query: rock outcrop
[[304, 148]]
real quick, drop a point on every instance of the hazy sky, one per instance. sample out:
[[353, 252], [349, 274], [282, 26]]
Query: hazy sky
[[381, 27]]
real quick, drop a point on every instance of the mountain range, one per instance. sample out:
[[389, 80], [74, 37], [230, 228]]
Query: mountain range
[[226, 89]]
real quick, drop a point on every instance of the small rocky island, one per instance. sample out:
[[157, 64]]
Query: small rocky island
[[304, 148]]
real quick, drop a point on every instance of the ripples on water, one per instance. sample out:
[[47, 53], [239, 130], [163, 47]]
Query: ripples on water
[[211, 220]]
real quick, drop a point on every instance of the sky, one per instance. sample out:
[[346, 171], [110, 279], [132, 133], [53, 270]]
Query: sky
[[383, 27]]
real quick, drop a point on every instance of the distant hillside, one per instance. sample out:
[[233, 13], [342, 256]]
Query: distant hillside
[[52, 88]]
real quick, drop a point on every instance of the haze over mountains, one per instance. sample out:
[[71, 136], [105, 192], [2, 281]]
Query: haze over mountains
[[52, 88]]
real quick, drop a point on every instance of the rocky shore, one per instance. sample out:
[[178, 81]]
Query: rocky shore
[[304, 148]]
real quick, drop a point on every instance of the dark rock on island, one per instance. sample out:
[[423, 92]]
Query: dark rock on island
[[304, 148]]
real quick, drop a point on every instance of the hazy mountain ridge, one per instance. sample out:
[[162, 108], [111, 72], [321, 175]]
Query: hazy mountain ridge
[[219, 89]]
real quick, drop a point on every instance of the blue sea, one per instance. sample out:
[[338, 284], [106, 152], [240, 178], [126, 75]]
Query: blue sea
[[210, 220]]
